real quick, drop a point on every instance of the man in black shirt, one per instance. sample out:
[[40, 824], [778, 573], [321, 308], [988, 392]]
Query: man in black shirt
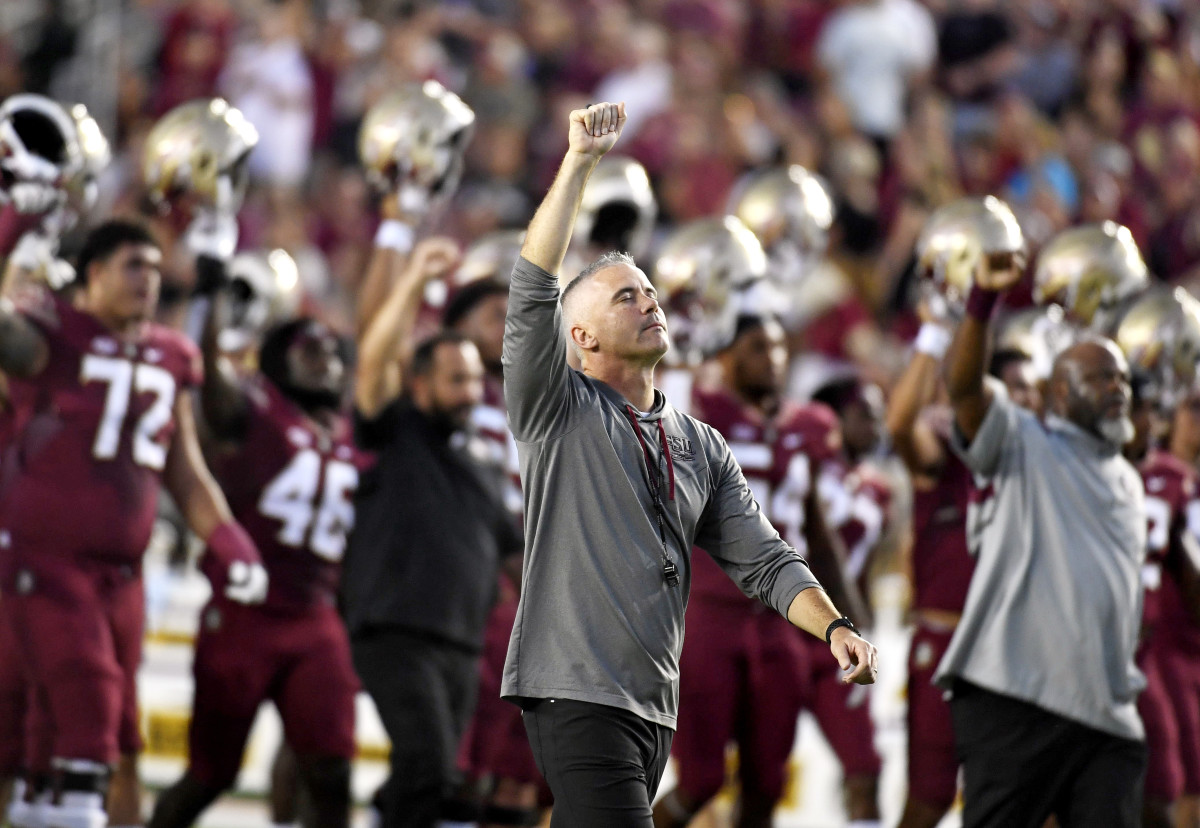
[[431, 530]]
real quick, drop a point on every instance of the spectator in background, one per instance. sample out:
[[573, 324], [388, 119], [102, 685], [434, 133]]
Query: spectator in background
[[875, 53], [196, 44], [269, 80]]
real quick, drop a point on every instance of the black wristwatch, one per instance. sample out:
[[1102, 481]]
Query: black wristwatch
[[839, 622]]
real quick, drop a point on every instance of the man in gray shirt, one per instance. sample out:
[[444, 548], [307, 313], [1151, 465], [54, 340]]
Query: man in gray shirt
[[618, 487], [1042, 664]]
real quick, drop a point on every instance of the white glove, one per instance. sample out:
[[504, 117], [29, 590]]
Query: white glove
[[33, 250], [246, 583], [31, 197], [213, 234]]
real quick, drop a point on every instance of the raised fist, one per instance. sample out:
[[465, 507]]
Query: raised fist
[[595, 130]]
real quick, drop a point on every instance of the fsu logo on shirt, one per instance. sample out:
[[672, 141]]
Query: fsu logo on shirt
[[681, 448]]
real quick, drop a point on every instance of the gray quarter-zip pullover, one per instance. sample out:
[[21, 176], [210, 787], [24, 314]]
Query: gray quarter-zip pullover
[[599, 620]]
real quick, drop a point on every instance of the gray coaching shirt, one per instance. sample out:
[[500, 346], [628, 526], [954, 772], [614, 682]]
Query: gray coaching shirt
[[1054, 607], [597, 620]]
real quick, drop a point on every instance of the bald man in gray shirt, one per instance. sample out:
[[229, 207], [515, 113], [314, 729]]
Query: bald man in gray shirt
[[618, 486], [1041, 666]]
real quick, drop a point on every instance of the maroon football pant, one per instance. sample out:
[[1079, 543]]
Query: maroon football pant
[[932, 761], [247, 655], [78, 629], [741, 678], [13, 690], [843, 712], [1180, 671], [1164, 768], [495, 743]]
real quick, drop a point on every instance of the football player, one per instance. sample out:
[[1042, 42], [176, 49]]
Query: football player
[[743, 671], [1159, 331], [285, 458], [99, 421]]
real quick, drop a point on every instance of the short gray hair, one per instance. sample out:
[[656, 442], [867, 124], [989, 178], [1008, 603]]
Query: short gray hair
[[612, 257]]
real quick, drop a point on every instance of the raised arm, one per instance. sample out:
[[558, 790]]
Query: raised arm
[[967, 361], [535, 351], [393, 244], [916, 443], [222, 400], [231, 562], [387, 340], [593, 132]]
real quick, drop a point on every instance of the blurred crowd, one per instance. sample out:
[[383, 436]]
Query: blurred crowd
[[1071, 111]]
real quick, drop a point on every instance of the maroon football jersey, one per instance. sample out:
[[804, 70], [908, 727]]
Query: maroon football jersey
[[858, 509], [90, 434], [779, 459], [291, 485], [941, 564], [1170, 487]]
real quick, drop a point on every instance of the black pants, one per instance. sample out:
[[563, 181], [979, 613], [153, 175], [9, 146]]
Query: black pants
[[425, 693], [1022, 763], [603, 764]]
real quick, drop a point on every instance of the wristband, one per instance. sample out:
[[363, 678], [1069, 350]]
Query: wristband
[[933, 340], [394, 235], [839, 622], [981, 303]]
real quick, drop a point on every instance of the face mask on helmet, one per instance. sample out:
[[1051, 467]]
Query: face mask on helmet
[[264, 289], [198, 153], [38, 141], [618, 208], [1041, 333], [82, 189]]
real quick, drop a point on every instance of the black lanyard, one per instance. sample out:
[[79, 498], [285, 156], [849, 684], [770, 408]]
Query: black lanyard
[[654, 479]]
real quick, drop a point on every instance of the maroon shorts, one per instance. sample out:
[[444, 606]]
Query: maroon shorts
[[842, 710], [12, 703], [78, 627], [1164, 770], [1180, 671], [247, 655], [741, 678], [932, 762], [495, 743]]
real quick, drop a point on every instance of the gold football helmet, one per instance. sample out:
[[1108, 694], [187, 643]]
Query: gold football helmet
[[618, 208], [702, 271], [1088, 270], [38, 141], [416, 137], [958, 236], [1042, 333], [199, 150], [264, 289], [491, 256], [785, 203], [1159, 332], [82, 189]]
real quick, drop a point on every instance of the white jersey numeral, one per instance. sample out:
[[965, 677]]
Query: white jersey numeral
[[1158, 523], [125, 378], [292, 499]]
